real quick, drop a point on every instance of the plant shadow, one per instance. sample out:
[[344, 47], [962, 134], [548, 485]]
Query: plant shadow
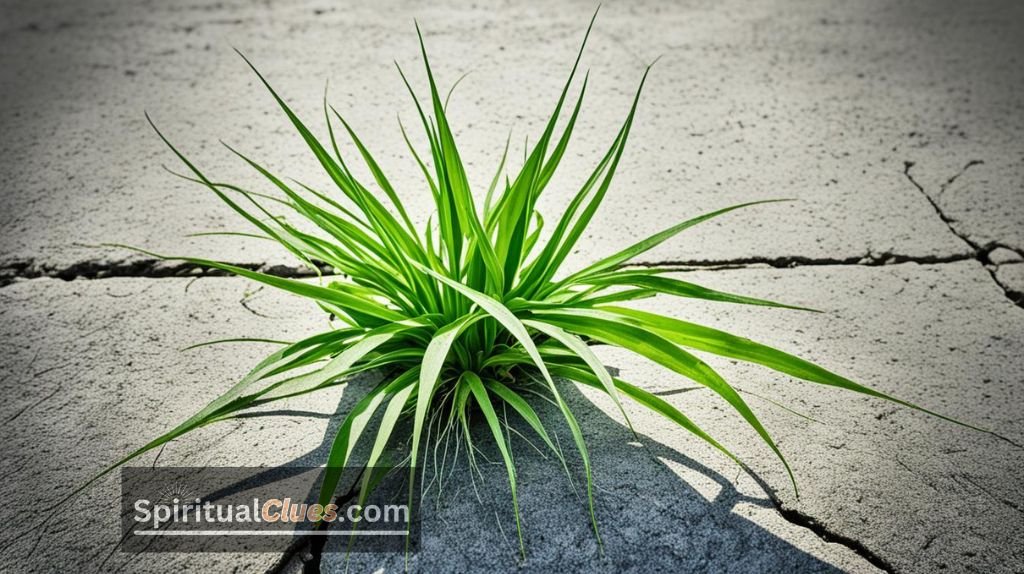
[[291, 472], [650, 517]]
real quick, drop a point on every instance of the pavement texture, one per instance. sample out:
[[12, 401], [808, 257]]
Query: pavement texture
[[896, 125]]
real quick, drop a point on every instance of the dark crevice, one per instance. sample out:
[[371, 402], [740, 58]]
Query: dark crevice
[[306, 552], [11, 271], [949, 221], [798, 518], [30, 269], [979, 251], [949, 182], [155, 268], [788, 262], [823, 532], [248, 296], [1011, 293]]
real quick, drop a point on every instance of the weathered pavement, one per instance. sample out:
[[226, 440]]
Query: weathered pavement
[[822, 103], [94, 369], [897, 126]]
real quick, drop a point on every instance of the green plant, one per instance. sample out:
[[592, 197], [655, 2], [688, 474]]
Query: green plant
[[474, 312]]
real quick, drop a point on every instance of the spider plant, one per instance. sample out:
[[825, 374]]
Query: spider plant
[[472, 315]]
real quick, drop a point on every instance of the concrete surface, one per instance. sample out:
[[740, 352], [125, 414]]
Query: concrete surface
[[940, 336], [125, 389], [93, 370], [884, 481], [1011, 278], [823, 103], [909, 492], [896, 125]]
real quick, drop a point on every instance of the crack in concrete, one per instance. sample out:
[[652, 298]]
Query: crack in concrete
[[826, 534], [11, 271], [32, 406], [949, 182], [791, 261], [980, 252], [153, 268], [996, 498], [823, 532], [1011, 292], [248, 296], [307, 551], [949, 221]]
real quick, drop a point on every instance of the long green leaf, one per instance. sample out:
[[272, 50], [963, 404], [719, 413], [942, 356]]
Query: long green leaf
[[304, 289], [655, 240], [648, 343], [721, 343], [352, 428], [581, 350], [521, 406], [646, 399], [484, 401], [671, 286]]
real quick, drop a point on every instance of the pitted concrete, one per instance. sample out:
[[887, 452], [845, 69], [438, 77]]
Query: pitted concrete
[[1002, 256], [1011, 278], [922, 494], [916, 494], [820, 103], [85, 398], [896, 126], [93, 370]]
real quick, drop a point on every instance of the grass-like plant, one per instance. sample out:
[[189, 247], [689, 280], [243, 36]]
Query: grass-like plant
[[472, 315]]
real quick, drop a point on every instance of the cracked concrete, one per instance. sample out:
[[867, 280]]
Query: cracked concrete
[[897, 126], [135, 267], [1009, 279], [940, 335], [88, 398], [814, 103], [949, 310], [121, 390]]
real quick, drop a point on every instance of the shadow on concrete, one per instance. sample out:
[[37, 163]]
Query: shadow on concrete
[[650, 518]]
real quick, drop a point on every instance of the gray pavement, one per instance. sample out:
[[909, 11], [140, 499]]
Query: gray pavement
[[822, 103], [897, 126]]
